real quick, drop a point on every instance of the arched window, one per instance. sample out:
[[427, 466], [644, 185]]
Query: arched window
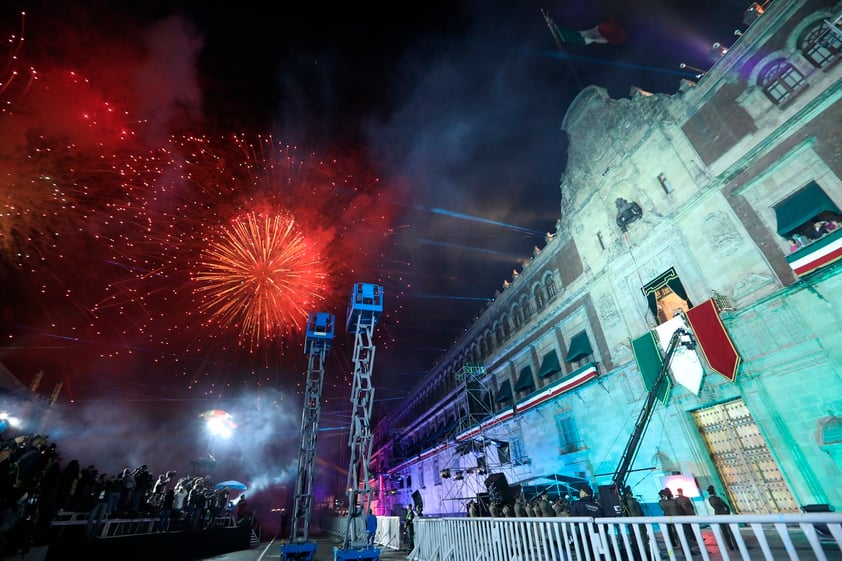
[[549, 284], [507, 330], [820, 45], [528, 310], [498, 330], [517, 316], [540, 299], [780, 81]]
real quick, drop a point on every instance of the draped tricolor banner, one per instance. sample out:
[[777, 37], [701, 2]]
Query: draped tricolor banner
[[713, 340], [685, 366], [649, 361]]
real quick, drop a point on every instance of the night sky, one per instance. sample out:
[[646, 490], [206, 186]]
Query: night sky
[[419, 148]]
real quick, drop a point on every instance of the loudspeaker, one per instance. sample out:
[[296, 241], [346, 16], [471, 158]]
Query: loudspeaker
[[609, 500], [417, 500], [498, 481]]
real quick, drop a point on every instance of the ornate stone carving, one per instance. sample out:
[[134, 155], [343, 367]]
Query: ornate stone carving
[[723, 238], [608, 311]]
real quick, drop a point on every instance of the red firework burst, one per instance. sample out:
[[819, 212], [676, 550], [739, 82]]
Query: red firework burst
[[237, 240], [260, 274]]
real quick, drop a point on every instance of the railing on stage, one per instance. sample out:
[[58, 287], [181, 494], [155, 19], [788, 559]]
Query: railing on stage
[[119, 527]]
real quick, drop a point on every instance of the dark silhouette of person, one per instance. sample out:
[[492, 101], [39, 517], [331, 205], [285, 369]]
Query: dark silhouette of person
[[371, 528], [587, 505], [631, 507], [686, 507], [670, 508], [721, 507]]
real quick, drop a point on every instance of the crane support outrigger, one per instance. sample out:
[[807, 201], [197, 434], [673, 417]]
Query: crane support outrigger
[[317, 342], [364, 311], [681, 337]]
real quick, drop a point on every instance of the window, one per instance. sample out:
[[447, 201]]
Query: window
[[666, 296], [421, 476], [806, 216], [550, 364], [517, 450], [568, 435], [517, 316], [539, 297], [504, 394], [670, 304], [528, 310], [579, 350], [551, 288], [504, 455], [780, 81], [820, 45], [501, 336], [525, 381], [436, 472], [506, 328]]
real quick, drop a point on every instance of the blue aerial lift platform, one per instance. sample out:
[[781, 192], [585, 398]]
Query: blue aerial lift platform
[[364, 310], [317, 342]]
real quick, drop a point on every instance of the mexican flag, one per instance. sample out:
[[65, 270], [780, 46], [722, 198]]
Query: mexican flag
[[608, 32]]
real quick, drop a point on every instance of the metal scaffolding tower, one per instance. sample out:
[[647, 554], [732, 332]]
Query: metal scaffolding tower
[[475, 409], [364, 311], [319, 336], [477, 404]]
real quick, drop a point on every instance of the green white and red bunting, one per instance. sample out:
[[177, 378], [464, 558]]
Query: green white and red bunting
[[713, 340]]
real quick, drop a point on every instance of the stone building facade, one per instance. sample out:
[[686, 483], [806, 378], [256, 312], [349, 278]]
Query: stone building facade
[[695, 208]]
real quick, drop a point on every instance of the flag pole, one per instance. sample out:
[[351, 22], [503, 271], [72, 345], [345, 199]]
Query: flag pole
[[553, 31]]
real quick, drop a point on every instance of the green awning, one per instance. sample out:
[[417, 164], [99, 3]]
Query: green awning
[[649, 362], [504, 393], [524, 380], [580, 347], [550, 365], [802, 207]]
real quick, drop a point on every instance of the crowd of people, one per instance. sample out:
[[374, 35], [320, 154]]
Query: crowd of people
[[520, 507], [817, 230], [586, 504], [36, 488]]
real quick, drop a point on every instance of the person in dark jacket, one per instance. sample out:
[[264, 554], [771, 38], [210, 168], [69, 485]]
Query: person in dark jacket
[[587, 505], [721, 507], [685, 506], [631, 507], [670, 508]]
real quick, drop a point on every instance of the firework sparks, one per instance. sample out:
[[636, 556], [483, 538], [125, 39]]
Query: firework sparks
[[137, 252], [262, 275], [14, 81], [229, 243]]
